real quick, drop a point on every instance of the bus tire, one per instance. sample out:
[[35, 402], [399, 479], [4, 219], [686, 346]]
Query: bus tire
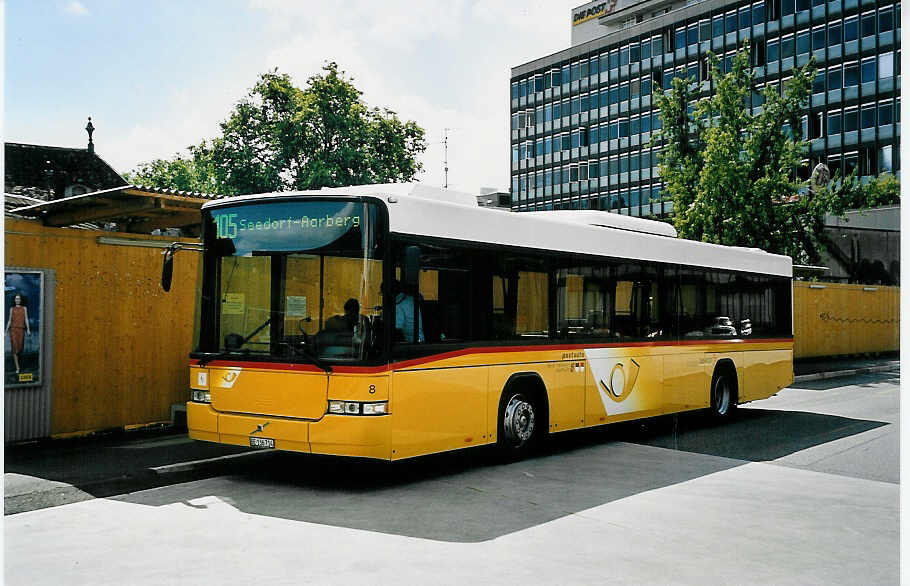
[[521, 423], [724, 392]]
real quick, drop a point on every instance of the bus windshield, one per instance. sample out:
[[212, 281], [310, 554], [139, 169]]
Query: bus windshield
[[294, 279]]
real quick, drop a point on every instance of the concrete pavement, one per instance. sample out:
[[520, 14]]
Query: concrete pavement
[[54, 472], [800, 489]]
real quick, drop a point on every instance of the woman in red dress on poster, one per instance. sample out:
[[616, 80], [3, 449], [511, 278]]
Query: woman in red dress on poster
[[18, 327]]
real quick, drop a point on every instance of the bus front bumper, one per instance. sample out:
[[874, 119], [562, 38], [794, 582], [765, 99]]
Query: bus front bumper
[[339, 435]]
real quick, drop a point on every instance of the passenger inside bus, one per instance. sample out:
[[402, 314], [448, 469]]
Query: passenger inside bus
[[404, 315]]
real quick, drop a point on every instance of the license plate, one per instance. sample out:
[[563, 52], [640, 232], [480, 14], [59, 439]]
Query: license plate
[[262, 442]]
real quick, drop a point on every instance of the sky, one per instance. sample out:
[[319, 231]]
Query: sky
[[157, 76]]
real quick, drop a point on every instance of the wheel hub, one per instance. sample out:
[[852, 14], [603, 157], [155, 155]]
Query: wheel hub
[[518, 420]]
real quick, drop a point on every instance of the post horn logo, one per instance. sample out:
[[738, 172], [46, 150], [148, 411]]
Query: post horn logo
[[620, 384]]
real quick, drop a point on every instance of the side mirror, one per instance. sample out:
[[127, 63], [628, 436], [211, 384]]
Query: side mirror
[[410, 272], [167, 268]]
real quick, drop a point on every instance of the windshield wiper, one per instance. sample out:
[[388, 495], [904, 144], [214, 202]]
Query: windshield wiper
[[224, 354], [309, 357], [237, 347]]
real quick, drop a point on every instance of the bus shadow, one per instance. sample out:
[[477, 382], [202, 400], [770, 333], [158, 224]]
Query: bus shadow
[[468, 496]]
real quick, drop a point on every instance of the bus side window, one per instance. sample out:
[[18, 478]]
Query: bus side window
[[584, 302]]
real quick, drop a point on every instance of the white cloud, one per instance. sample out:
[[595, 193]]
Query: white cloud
[[75, 7], [441, 64]]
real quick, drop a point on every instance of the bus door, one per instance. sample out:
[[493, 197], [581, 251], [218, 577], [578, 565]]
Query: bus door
[[439, 391]]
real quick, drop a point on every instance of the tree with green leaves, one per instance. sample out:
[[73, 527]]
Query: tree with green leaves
[[732, 173], [280, 137]]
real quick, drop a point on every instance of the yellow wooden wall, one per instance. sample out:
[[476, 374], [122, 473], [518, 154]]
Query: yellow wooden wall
[[831, 319], [120, 343]]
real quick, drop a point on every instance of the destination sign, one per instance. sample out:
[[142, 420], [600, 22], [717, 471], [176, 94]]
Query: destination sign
[[286, 226]]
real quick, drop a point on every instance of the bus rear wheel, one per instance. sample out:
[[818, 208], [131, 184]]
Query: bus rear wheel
[[519, 425], [723, 394]]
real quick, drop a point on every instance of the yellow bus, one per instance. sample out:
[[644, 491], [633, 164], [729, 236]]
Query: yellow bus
[[388, 321]]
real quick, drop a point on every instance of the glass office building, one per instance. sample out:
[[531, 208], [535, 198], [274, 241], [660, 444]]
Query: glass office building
[[582, 118]]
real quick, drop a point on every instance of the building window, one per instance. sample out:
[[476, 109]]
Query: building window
[[835, 78], [802, 5], [730, 22], [773, 50], [646, 123], [704, 30], [867, 117], [851, 120], [834, 34], [868, 70], [819, 40], [624, 127], [692, 34], [787, 7], [514, 90], [867, 161], [646, 86], [867, 25], [624, 92], [816, 125], [634, 53], [786, 47], [834, 123], [717, 26], [657, 45], [851, 29], [646, 49], [745, 17], [885, 65], [851, 74], [885, 111], [680, 38], [773, 10], [886, 159], [818, 84], [885, 20], [758, 13], [802, 43]]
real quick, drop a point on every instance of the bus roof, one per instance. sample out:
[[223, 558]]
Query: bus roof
[[422, 210]]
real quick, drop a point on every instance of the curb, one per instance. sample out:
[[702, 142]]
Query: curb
[[841, 373]]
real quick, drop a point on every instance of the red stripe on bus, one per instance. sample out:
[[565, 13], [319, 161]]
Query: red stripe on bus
[[467, 351]]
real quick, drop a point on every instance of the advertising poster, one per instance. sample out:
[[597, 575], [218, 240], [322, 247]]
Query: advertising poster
[[24, 292]]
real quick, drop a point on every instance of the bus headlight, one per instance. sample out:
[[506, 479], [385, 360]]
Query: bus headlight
[[202, 396], [358, 408]]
